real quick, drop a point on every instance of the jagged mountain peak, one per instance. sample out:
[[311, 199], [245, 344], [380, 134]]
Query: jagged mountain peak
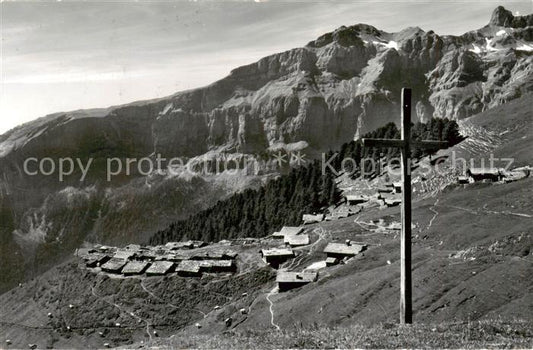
[[502, 17], [347, 36]]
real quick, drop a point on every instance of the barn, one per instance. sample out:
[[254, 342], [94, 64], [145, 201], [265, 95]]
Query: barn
[[353, 199], [288, 230], [135, 268], [215, 266], [114, 265], [296, 240], [96, 259], [124, 254], [332, 261], [276, 256], [312, 218], [343, 250], [159, 268], [289, 280], [189, 268], [484, 174], [397, 187], [179, 245], [392, 201]]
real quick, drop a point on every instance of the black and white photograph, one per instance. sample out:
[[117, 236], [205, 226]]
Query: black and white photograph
[[266, 174]]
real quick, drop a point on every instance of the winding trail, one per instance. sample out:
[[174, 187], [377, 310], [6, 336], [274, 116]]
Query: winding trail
[[274, 290], [505, 212], [434, 216], [485, 210]]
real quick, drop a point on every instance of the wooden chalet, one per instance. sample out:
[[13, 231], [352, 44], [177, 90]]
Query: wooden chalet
[[343, 250], [289, 280]]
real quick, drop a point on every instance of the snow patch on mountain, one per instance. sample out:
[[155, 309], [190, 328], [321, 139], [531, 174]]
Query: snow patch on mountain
[[389, 45]]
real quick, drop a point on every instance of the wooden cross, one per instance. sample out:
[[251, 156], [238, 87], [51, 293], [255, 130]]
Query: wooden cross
[[405, 143]]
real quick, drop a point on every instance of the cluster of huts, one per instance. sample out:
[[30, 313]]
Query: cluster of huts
[[490, 174], [294, 237], [180, 257], [387, 195]]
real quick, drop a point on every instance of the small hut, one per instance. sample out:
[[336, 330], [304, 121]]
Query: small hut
[[189, 268], [397, 187], [276, 256], [135, 268], [312, 218], [179, 245], [288, 230], [484, 174], [114, 265], [343, 250], [353, 199], [124, 254], [289, 280], [296, 240], [96, 259], [215, 266], [331, 261], [159, 268], [393, 201], [463, 179]]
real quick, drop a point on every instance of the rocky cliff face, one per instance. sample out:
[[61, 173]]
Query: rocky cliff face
[[328, 92]]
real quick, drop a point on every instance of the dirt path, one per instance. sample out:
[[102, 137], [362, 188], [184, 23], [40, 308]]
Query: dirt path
[[274, 290], [432, 208], [484, 210], [505, 212]]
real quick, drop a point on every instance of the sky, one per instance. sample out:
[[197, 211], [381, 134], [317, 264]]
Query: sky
[[61, 56]]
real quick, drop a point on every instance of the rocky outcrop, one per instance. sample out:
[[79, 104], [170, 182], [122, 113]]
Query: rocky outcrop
[[320, 93]]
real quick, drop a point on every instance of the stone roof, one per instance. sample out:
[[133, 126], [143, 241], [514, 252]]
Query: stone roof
[[114, 265], [290, 230], [296, 240], [215, 263], [392, 201], [135, 267], [311, 218], [344, 249], [160, 268], [213, 255], [296, 277], [179, 245], [189, 266], [484, 171], [123, 254], [355, 197], [277, 252], [169, 257]]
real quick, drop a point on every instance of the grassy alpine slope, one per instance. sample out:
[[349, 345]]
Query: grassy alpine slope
[[493, 333]]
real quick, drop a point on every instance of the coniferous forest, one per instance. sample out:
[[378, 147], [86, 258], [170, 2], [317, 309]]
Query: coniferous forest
[[256, 213], [283, 201]]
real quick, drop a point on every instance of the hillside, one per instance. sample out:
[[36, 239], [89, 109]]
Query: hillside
[[471, 261], [472, 255]]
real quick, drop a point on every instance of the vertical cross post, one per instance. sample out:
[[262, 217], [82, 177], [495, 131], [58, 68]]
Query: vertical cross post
[[406, 309]]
